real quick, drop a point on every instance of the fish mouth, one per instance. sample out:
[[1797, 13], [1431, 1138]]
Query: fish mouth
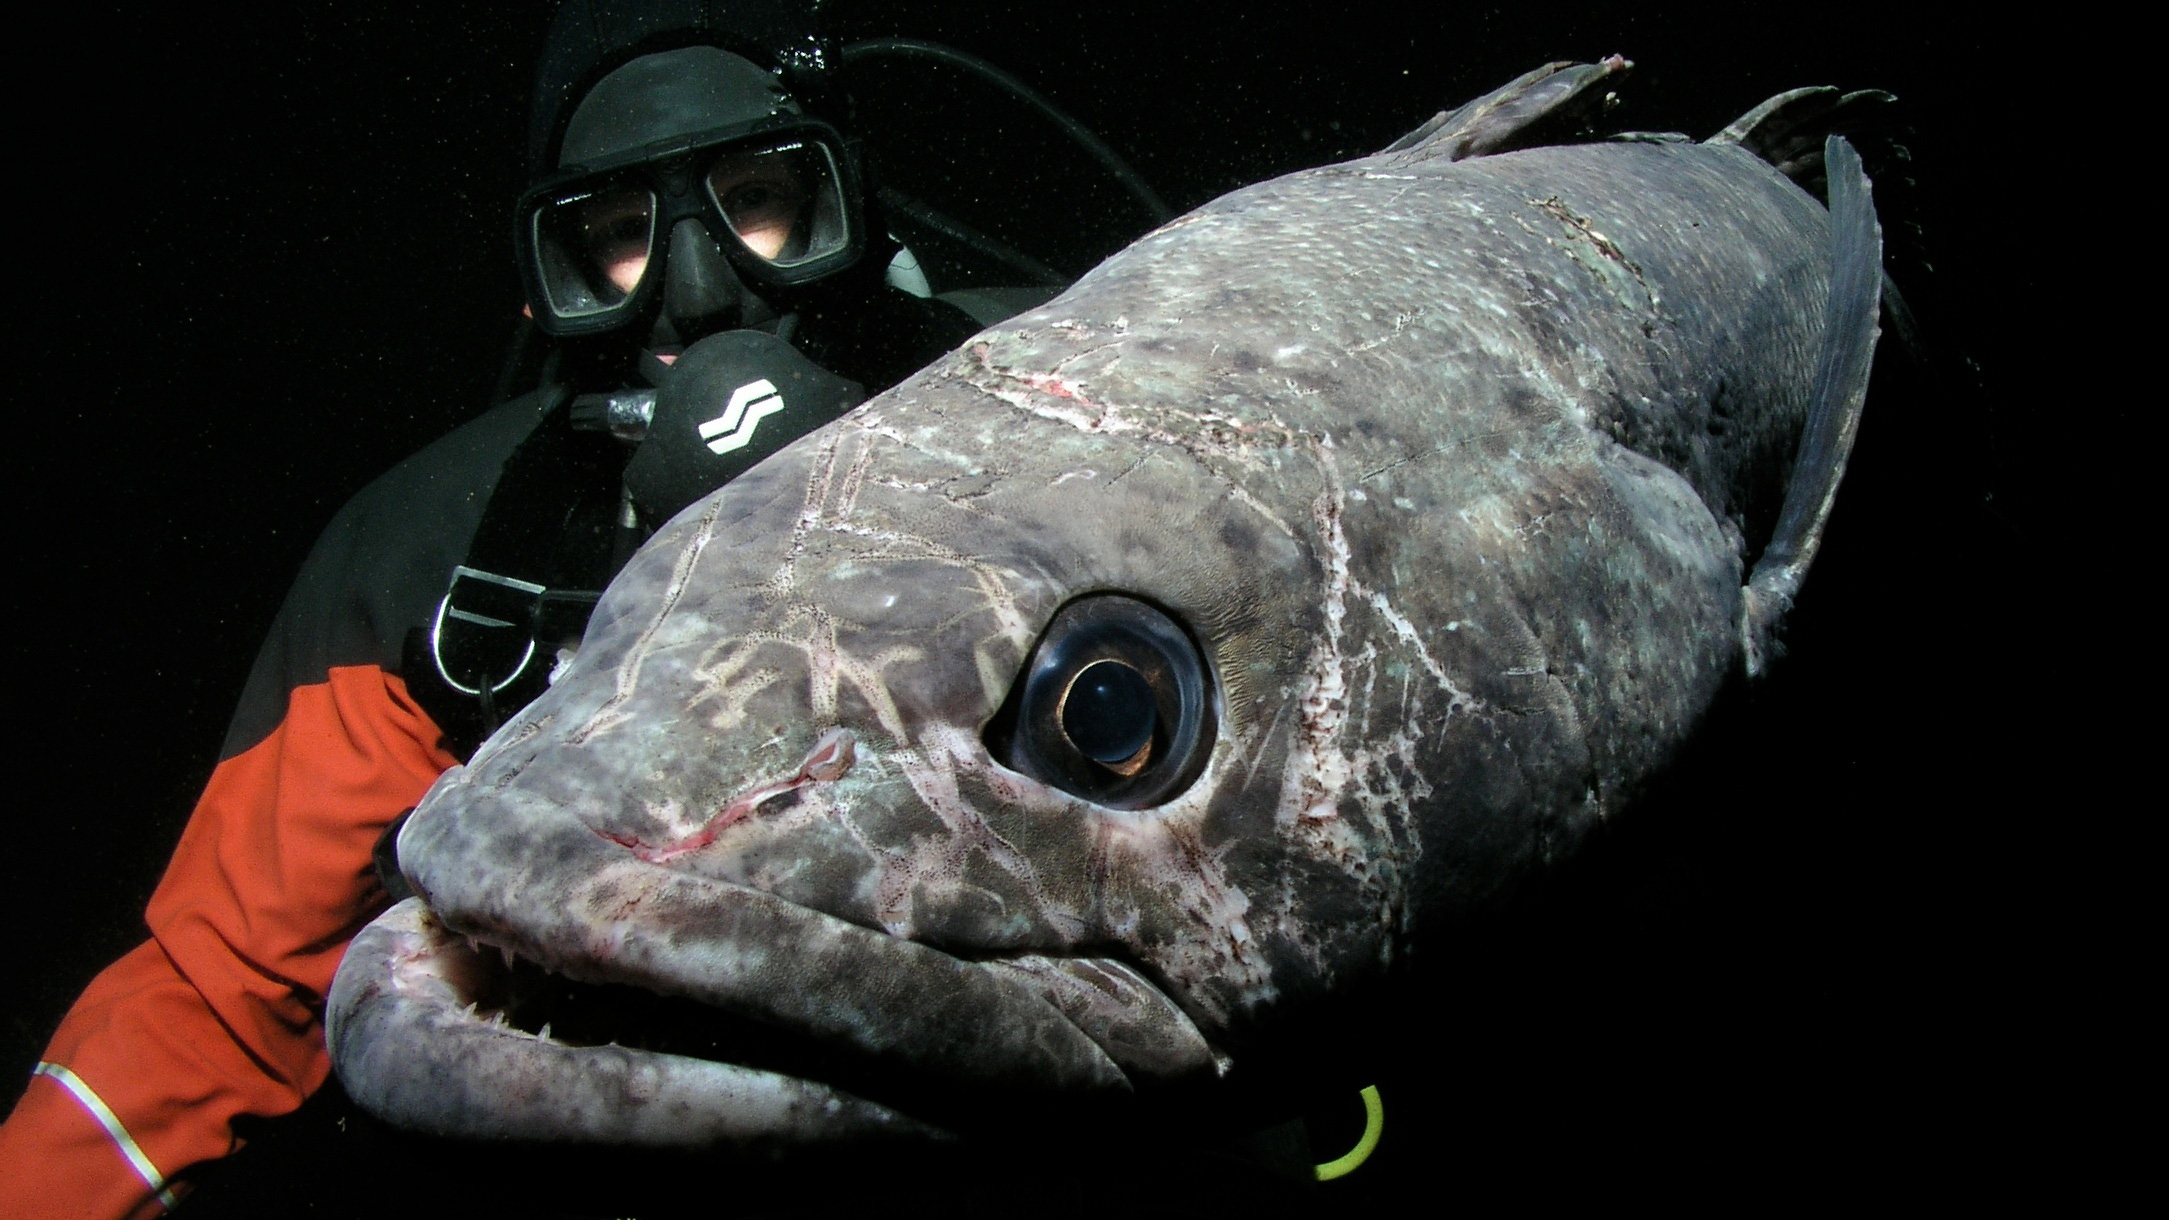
[[438, 1033], [466, 1037]]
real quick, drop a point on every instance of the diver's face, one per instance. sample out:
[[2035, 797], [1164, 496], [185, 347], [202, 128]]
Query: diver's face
[[763, 197], [616, 227]]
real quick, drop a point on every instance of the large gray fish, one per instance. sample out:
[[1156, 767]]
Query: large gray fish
[[1092, 713]]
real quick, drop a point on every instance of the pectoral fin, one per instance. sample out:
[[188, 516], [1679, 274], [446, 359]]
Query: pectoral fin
[[1850, 328]]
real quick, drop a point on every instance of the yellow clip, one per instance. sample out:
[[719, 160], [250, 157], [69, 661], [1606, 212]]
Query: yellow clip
[[1374, 1121]]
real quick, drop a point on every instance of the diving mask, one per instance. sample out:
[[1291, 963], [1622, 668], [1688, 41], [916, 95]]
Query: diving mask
[[779, 200]]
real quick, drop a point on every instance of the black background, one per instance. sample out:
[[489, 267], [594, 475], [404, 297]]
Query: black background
[[262, 257]]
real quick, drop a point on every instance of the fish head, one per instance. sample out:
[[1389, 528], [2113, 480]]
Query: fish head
[[986, 711]]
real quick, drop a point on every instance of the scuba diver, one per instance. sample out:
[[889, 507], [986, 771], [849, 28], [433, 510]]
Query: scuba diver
[[708, 275]]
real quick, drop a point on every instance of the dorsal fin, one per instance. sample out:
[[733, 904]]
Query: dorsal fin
[[1842, 364], [1540, 107], [1788, 130]]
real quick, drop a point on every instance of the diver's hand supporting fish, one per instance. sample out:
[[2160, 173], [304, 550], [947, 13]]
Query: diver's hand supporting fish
[[1089, 713]]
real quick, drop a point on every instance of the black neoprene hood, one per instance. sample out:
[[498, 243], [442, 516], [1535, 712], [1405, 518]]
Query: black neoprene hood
[[589, 39], [667, 94]]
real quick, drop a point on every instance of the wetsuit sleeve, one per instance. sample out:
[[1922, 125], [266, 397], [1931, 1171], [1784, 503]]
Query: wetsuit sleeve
[[219, 1014]]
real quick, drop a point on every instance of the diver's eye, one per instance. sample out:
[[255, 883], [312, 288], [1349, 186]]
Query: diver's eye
[[1113, 706]]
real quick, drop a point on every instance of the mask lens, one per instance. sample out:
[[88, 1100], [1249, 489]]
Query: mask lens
[[593, 246], [783, 203]]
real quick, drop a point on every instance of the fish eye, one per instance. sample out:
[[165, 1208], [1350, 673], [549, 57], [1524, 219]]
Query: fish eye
[[1109, 714], [1114, 706]]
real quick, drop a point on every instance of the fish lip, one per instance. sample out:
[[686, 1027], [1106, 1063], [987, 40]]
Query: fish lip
[[1047, 972], [412, 1043], [757, 955], [537, 999], [488, 991], [533, 999]]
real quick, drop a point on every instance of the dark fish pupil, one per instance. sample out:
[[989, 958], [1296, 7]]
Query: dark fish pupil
[[1109, 714]]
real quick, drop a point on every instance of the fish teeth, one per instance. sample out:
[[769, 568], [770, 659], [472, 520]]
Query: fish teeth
[[544, 1032]]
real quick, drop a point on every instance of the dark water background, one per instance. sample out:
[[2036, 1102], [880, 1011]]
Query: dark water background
[[263, 258]]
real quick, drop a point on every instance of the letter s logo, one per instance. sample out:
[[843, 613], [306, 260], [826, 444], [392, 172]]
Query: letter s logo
[[750, 404]]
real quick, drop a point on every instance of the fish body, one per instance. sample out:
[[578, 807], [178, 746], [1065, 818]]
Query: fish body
[[1462, 483]]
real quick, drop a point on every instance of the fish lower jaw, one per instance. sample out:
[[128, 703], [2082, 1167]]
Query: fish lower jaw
[[457, 1034], [443, 1033]]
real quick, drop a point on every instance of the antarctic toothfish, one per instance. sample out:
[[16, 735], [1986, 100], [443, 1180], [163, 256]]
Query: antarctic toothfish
[[1089, 714]]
